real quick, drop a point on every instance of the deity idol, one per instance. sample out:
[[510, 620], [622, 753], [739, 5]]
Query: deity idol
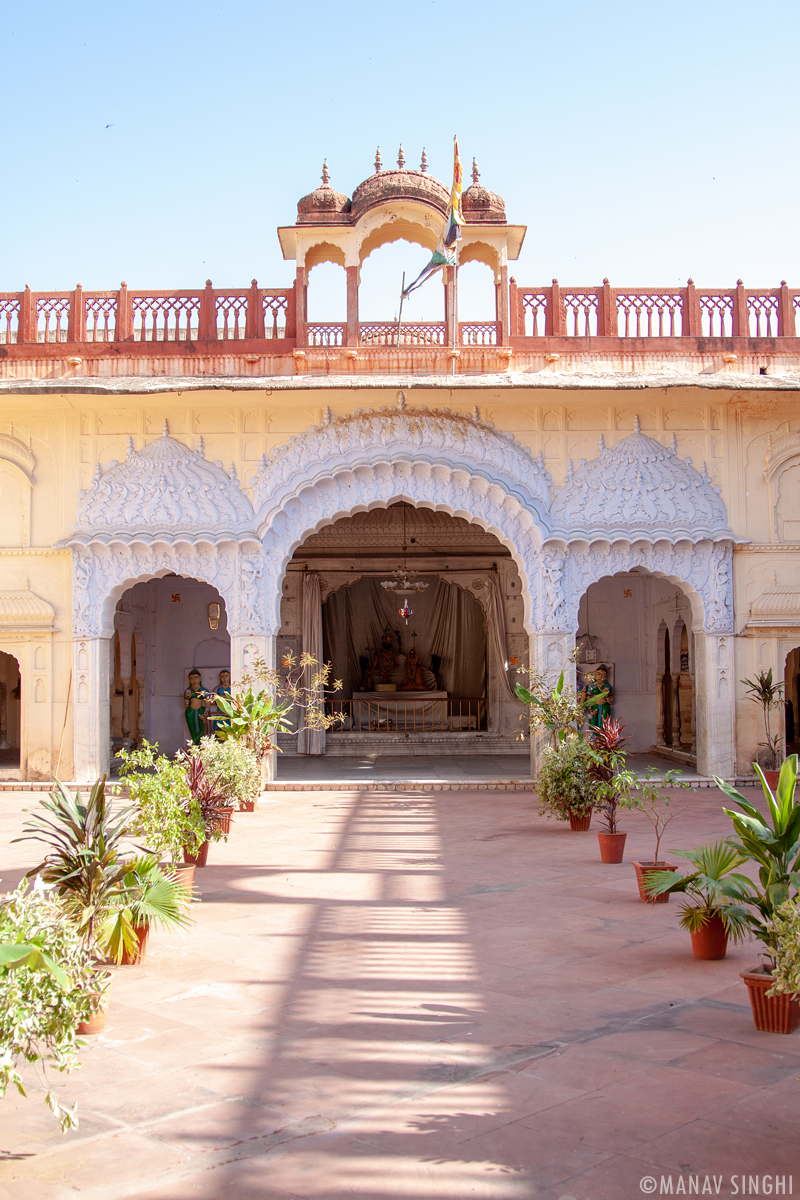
[[384, 663], [194, 699], [595, 685]]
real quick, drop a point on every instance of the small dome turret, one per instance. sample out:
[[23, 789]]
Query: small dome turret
[[479, 204], [323, 206]]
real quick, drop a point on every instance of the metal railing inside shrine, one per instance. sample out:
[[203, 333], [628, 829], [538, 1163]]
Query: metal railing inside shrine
[[388, 714]]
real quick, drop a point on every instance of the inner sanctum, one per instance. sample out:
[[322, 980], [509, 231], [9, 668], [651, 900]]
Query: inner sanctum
[[428, 667]]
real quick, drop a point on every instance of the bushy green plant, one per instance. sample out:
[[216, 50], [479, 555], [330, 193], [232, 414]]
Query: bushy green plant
[[254, 718], [165, 815], [556, 708], [233, 766], [715, 887], [785, 940], [49, 982], [773, 843], [564, 784]]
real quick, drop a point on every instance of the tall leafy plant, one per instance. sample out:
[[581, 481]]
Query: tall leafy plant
[[763, 691], [607, 769], [556, 708], [165, 816], [564, 783], [772, 842]]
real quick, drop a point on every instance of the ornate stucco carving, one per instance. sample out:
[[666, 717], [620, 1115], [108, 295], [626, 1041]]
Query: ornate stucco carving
[[384, 528], [164, 489], [100, 574], [562, 573], [12, 450], [639, 489], [436, 440], [783, 449], [25, 610]]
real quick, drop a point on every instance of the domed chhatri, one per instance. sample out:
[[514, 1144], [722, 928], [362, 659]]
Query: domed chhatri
[[165, 487], [324, 205], [480, 205], [639, 489], [400, 185]]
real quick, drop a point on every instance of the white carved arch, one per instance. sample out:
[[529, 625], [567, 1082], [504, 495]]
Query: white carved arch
[[432, 459], [703, 571]]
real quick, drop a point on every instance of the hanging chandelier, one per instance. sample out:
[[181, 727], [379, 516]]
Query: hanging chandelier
[[404, 581]]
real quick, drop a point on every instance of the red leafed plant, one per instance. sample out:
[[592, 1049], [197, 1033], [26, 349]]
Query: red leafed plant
[[208, 794], [608, 770]]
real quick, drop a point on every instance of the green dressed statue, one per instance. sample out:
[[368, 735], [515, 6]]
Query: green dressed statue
[[215, 718], [194, 699], [598, 713]]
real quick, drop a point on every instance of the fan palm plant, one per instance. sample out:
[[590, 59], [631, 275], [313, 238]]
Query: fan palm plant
[[715, 887]]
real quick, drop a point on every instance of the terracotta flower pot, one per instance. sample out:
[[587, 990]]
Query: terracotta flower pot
[[580, 821], [196, 860], [97, 1021], [223, 817], [612, 846], [771, 1014], [710, 942], [772, 778], [184, 873], [133, 959], [247, 806], [643, 869]]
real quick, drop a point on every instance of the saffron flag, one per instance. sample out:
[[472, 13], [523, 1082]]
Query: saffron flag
[[445, 253]]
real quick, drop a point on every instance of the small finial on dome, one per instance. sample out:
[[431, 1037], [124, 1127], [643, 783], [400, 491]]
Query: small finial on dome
[[401, 401], [325, 176], [98, 473], [475, 172], [401, 158], [601, 442], [233, 474], [674, 444], [377, 160], [423, 166], [130, 445], [165, 428], [476, 413], [201, 446], [540, 459], [636, 426], [327, 416]]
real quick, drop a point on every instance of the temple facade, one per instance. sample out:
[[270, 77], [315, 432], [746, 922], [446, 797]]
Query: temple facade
[[194, 479]]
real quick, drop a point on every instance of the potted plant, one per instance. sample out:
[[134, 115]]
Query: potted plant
[[215, 814], [772, 842], [51, 989], [769, 695], [234, 767], [112, 900], [650, 796], [556, 708], [712, 913], [785, 940], [614, 787], [165, 816], [564, 786]]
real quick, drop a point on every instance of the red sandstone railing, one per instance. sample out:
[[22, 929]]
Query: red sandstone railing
[[212, 314], [234, 316], [604, 311]]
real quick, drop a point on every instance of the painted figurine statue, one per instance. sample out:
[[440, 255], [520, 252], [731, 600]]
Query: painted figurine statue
[[414, 680], [194, 699], [595, 685], [215, 717]]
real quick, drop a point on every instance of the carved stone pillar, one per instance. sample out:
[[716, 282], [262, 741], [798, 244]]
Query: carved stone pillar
[[676, 711], [140, 716], [686, 706], [660, 709], [693, 750], [351, 337], [91, 715], [716, 753], [126, 711]]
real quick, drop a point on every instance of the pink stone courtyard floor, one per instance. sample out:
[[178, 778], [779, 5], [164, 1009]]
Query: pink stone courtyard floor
[[417, 997]]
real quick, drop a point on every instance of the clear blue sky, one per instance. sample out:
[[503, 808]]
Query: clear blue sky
[[163, 142]]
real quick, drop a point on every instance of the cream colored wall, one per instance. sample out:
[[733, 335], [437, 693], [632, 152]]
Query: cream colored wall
[[68, 434]]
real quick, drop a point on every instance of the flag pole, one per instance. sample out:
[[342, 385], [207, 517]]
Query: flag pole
[[455, 308], [400, 314]]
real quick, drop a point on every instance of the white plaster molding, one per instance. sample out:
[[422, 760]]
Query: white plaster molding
[[101, 573], [782, 451], [385, 438], [24, 610], [166, 489], [639, 489], [562, 574], [14, 451]]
